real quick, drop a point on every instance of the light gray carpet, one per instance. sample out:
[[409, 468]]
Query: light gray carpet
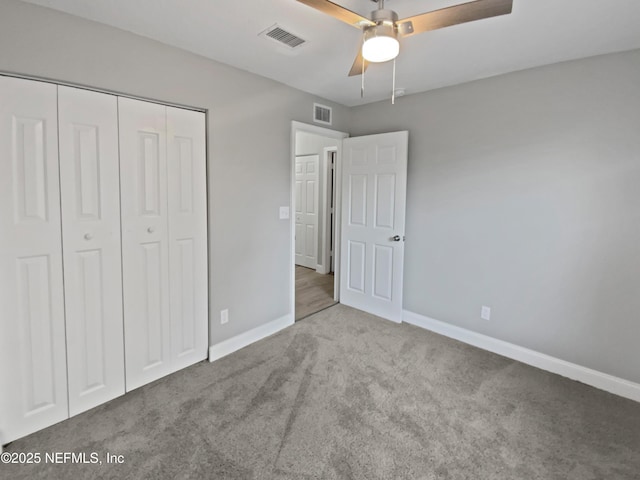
[[345, 395]]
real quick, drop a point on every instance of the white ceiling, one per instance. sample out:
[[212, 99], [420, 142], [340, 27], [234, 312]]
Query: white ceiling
[[538, 32]]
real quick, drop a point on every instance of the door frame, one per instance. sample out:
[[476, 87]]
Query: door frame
[[328, 222], [325, 132]]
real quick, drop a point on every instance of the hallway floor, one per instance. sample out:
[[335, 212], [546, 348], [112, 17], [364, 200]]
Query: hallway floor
[[314, 291]]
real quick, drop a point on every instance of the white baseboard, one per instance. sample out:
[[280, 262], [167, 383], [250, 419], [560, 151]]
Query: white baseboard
[[603, 381], [223, 349]]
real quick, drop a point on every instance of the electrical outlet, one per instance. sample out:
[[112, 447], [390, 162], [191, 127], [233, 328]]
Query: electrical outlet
[[485, 313], [224, 316]]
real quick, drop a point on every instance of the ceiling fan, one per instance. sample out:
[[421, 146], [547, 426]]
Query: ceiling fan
[[381, 31]]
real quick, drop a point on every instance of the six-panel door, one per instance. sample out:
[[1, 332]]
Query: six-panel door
[[33, 377], [306, 210], [373, 219], [90, 188]]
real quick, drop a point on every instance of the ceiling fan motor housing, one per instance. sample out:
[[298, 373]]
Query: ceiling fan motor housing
[[384, 16], [381, 40], [385, 25]]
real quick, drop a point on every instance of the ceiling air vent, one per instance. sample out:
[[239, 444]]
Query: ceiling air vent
[[321, 114], [283, 37]]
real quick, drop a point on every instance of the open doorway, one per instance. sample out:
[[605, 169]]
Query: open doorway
[[315, 219]]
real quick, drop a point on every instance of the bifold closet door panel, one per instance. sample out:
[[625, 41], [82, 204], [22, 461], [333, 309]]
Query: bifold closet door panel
[[90, 190], [33, 377], [145, 241], [186, 154]]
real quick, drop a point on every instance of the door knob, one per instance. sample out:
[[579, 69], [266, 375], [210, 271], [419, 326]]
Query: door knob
[[150, 230], [88, 236], [396, 238]]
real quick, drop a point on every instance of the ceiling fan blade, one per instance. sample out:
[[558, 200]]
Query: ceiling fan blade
[[446, 17], [341, 13], [356, 68]]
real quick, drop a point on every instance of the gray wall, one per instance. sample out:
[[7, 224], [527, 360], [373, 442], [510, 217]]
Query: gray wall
[[249, 142], [524, 195]]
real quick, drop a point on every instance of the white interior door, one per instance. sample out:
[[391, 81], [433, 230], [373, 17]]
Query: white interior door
[[145, 241], [306, 210], [186, 158], [90, 189], [374, 182], [33, 377]]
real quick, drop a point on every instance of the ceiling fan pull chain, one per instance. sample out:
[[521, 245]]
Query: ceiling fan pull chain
[[393, 85], [362, 86]]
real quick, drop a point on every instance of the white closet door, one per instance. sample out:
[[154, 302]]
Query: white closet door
[[33, 377], [89, 179], [187, 175], [145, 249]]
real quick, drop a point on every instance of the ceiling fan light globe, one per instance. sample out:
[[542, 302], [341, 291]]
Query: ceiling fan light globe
[[380, 49]]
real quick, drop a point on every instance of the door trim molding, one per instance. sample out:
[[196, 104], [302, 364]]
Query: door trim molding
[[325, 132], [324, 267], [603, 381]]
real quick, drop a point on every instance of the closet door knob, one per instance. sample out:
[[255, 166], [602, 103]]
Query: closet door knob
[[88, 236], [150, 230]]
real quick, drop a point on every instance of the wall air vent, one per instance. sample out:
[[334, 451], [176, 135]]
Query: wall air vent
[[321, 114], [280, 35]]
